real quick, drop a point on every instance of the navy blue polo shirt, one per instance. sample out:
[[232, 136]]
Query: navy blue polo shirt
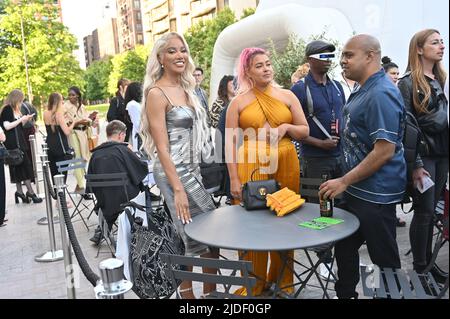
[[375, 112], [327, 99]]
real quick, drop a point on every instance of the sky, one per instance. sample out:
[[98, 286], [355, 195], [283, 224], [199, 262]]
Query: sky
[[84, 16]]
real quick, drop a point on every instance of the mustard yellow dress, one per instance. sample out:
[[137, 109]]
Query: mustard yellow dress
[[282, 163]]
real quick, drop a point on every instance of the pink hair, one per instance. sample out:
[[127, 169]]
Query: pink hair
[[245, 61]]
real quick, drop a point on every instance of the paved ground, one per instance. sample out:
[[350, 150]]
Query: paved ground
[[23, 239]]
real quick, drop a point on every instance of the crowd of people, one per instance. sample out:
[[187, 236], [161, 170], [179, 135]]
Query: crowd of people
[[350, 128]]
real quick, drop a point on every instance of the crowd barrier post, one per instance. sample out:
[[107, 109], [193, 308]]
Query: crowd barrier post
[[66, 245], [53, 254], [113, 284], [44, 220]]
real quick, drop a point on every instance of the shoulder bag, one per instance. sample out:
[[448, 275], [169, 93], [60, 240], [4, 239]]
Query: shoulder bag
[[14, 157], [148, 272], [254, 192]]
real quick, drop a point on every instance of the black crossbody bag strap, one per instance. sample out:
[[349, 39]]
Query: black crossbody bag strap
[[310, 105]]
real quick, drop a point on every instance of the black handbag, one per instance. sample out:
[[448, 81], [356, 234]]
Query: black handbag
[[148, 272], [14, 157], [254, 192]]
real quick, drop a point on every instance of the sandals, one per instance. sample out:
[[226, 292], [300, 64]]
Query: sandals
[[3, 225]]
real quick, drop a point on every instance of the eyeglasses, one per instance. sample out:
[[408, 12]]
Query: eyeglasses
[[323, 56]]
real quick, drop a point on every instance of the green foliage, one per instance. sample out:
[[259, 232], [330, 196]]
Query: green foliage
[[52, 66], [202, 38], [130, 65], [285, 63], [97, 77], [248, 12]]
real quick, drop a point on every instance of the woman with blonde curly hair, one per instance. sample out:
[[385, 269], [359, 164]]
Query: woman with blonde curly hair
[[174, 132], [300, 73]]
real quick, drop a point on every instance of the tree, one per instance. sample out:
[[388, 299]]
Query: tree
[[97, 77], [202, 37], [248, 12], [130, 65], [52, 65], [285, 63]]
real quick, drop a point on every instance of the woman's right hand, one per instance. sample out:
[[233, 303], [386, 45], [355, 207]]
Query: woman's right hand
[[418, 175], [26, 118], [182, 207], [236, 189]]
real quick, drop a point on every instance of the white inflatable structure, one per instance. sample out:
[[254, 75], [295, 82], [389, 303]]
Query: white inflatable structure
[[392, 22]]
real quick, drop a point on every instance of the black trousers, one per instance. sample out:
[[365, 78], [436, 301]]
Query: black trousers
[[2, 192], [378, 229], [421, 229]]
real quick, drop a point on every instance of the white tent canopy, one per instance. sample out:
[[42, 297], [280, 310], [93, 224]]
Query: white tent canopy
[[392, 22]]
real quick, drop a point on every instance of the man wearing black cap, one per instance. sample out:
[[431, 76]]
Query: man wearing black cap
[[322, 100], [320, 152]]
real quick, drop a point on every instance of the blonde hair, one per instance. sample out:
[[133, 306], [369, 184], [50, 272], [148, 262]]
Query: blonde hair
[[300, 73], [153, 74], [54, 105], [14, 99]]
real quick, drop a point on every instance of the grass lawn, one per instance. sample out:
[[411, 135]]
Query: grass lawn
[[101, 108]]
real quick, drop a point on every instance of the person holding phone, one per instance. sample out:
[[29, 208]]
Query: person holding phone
[[422, 90], [78, 139], [12, 121]]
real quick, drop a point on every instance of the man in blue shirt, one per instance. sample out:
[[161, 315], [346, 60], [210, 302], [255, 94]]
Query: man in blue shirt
[[320, 152], [373, 163]]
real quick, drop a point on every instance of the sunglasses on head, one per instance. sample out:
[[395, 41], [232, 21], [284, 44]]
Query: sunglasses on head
[[323, 56]]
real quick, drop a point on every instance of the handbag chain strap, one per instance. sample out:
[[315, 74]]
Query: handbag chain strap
[[17, 137], [60, 140]]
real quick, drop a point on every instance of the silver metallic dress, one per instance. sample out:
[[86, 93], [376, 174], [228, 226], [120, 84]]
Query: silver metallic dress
[[180, 121]]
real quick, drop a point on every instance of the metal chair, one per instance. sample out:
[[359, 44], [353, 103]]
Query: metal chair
[[226, 280], [102, 181], [400, 284], [214, 179], [80, 205]]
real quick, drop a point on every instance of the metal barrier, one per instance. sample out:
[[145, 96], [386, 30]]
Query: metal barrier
[[67, 249], [36, 164], [48, 188], [53, 254], [113, 284]]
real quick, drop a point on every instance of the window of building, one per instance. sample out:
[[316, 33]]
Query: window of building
[[137, 4]]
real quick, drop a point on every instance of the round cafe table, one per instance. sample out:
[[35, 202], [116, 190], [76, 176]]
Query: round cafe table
[[234, 228]]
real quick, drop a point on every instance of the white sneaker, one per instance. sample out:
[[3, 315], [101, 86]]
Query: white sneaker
[[325, 273]]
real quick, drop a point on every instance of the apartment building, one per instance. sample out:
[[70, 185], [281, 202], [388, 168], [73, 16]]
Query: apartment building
[[108, 41], [163, 16], [91, 48], [129, 24]]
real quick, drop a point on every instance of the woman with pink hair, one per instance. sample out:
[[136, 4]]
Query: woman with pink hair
[[269, 118]]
